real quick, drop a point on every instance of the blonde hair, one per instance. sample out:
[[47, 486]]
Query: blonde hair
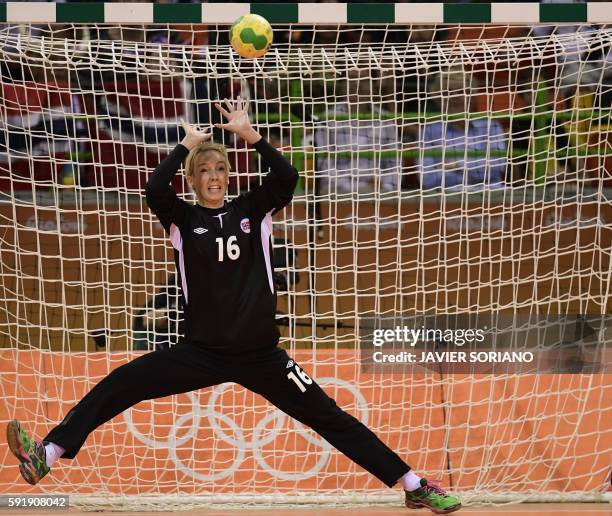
[[203, 148]]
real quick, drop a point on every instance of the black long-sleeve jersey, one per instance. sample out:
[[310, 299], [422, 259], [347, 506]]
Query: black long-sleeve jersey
[[223, 255]]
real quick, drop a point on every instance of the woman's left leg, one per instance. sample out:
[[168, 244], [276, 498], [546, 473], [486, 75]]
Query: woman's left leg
[[284, 384]]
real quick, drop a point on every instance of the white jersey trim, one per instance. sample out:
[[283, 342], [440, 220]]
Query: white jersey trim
[[177, 243], [266, 233]]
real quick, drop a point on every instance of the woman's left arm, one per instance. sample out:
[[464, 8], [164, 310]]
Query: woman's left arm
[[276, 190]]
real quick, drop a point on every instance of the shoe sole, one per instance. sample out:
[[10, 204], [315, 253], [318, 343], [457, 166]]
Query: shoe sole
[[14, 441], [444, 511], [30, 477], [16, 447]]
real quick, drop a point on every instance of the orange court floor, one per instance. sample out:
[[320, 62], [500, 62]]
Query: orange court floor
[[541, 509]]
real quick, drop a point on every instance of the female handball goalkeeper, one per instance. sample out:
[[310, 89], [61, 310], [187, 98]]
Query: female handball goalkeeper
[[222, 254]]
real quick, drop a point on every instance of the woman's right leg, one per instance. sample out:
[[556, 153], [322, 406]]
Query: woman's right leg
[[162, 373]]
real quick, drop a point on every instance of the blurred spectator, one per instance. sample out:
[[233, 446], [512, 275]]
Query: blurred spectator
[[159, 324], [450, 142], [414, 84], [602, 56], [572, 69], [358, 124]]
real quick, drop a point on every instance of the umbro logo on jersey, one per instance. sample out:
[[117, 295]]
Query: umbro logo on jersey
[[289, 364], [200, 231]]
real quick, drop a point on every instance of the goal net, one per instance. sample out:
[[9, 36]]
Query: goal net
[[445, 169]]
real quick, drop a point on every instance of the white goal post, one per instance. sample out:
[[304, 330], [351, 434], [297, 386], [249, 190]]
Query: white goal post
[[454, 159]]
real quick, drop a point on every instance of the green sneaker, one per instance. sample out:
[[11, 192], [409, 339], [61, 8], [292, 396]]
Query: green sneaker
[[429, 495], [31, 453]]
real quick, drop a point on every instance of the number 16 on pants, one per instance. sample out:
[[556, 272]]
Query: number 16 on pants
[[301, 378]]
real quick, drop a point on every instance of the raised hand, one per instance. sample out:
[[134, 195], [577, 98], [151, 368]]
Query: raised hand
[[237, 119], [193, 136]]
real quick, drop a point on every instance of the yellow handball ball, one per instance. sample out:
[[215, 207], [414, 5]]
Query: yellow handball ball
[[251, 36]]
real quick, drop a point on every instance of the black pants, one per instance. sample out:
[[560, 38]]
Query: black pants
[[187, 367]]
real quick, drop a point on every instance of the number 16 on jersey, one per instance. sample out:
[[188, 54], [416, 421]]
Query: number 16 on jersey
[[233, 251]]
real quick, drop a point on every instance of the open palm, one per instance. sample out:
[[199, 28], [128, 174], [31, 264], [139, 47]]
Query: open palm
[[236, 116], [193, 135]]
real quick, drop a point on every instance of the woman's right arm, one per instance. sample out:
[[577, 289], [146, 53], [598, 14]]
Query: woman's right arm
[[161, 197]]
